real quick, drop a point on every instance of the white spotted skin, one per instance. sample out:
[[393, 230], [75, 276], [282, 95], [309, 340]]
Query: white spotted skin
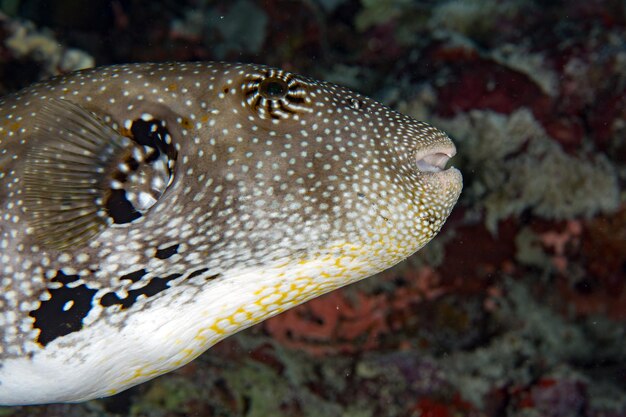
[[267, 212]]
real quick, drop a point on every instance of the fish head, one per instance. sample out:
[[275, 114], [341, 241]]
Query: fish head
[[151, 210], [319, 166]]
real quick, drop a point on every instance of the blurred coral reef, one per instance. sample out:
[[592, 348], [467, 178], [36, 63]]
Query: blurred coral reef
[[518, 308]]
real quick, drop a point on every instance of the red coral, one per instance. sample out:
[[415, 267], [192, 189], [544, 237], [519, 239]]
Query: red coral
[[608, 108], [331, 319], [455, 406], [484, 84], [382, 46], [337, 323], [604, 246], [598, 248], [558, 242], [603, 254], [427, 407], [568, 131], [478, 255]]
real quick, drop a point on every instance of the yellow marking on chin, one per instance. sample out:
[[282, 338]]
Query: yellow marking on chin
[[139, 374], [216, 329], [279, 296]]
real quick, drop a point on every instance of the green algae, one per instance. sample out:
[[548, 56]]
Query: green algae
[[545, 341], [166, 395], [530, 251], [376, 12]]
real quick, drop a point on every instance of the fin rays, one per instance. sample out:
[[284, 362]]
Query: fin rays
[[63, 175], [81, 175]]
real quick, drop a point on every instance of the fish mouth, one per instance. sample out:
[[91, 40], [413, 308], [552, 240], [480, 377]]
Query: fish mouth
[[430, 164], [435, 158]]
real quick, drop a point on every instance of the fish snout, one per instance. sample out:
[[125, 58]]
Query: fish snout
[[431, 163]]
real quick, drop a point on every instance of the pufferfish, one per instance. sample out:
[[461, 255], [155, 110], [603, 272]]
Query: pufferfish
[[148, 211]]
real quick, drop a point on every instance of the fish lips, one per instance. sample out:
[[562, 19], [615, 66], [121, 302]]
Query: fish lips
[[430, 164]]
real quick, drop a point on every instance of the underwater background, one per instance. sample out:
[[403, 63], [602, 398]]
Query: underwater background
[[517, 308]]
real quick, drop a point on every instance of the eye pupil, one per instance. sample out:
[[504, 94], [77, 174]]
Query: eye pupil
[[273, 88]]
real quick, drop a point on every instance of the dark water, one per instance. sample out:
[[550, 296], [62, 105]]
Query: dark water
[[517, 308]]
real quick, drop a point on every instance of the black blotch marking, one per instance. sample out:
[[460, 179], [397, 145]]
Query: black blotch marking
[[134, 276], [202, 271], [63, 278], [155, 286], [50, 317], [143, 135], [119, 208], [198, 272], [167, 252], [152, 133]]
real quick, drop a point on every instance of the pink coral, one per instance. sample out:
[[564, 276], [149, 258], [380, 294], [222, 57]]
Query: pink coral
[[558, 241], [338, 323]]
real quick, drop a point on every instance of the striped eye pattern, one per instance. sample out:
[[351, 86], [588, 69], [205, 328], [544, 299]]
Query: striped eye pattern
[[275, 94]]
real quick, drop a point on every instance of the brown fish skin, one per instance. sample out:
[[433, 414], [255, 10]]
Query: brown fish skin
[[147, 211]]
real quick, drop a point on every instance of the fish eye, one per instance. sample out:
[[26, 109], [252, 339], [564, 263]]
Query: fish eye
[[276, 95], [273, 88]]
